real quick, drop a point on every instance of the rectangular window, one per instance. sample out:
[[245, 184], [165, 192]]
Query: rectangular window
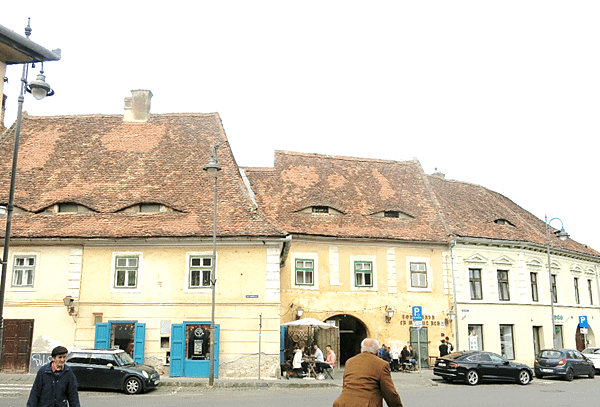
[[200, 268], [503, 288], [363, 274], [533, 278], [23, 270], [553, 288], [126, 272], [576, 288], [507, 345], [590, 292], [320, 209], [475, 337], [418, 275], [475, 283], [305, 270]]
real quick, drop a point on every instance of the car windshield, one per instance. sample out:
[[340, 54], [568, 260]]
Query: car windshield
[[552, 354], [124, 359], [591, 351]]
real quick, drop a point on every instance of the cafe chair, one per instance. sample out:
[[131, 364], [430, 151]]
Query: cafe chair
[[328, 373]]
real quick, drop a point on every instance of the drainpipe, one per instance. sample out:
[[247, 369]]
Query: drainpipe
[[455, 312]]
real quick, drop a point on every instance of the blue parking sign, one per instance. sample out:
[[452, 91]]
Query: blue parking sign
[[583, 322], [417, 313]]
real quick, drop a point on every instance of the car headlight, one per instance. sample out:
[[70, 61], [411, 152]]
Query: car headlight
[[145, 374]]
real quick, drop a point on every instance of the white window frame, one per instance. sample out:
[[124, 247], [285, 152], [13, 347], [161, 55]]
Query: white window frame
[[373, 262], [305, 256], [409, 286], [113, 279], [23, 267], [187, 288], [508, 283]]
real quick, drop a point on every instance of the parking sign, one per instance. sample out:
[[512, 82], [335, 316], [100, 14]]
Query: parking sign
[[417, 313], [583, 321]]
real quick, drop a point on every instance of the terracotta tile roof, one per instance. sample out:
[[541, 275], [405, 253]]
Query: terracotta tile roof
[[471, 211], [359, 188], [100, 162]]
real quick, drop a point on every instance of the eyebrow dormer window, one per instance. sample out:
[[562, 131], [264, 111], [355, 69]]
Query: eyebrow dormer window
[[391, 214], [503, 222], [70, 207]]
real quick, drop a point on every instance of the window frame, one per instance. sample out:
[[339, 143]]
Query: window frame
[[473, 284], [305, 270], [355, 259], [23, 267], [115, 268], [428, 272], [553, 288], [418, 273], [201, 269], [504, 342], [363, 272], [503, 283], [576, 290], [533, 282], [590, 291], [189, 269]]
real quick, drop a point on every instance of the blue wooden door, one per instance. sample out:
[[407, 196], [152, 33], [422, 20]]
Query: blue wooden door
[[282, 332], [177, 350], [139, 341], [102, 339]]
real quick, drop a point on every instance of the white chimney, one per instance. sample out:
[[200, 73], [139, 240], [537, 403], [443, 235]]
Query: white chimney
[[137, 107]]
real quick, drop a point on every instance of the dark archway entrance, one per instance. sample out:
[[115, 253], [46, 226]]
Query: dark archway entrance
[[352, 332]]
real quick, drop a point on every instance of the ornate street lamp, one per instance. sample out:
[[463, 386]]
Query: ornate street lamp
[[213, 169], [31, 53]]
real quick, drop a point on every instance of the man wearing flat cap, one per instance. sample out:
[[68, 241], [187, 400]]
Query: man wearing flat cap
[[55, 384]]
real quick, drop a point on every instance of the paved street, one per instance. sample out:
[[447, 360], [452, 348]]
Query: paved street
[[581, 392]]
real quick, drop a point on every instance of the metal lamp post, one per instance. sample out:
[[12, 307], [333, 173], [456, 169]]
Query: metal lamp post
[[39, 89], [213, 168], [562, 235]]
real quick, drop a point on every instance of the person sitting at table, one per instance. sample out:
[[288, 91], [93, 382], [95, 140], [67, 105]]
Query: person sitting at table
[[404, 357], [299, 367], [320, 364], [331, 358]]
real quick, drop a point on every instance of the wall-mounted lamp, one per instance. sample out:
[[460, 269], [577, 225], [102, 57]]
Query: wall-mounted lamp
[[389, 313], [299, 312], [68, 301]]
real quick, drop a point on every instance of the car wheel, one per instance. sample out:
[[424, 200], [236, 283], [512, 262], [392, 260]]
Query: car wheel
[[524, 377], [472, 377], [570, 375], [592, 373], [133, 385]]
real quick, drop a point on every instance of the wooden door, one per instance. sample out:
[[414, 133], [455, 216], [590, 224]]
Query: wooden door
[[16, 345]]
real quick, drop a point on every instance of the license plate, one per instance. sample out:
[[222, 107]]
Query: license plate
[[547, 370], [442, 364]]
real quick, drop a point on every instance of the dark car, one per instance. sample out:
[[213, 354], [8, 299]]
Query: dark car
[[111, 369], [474, 366], [566, 363]]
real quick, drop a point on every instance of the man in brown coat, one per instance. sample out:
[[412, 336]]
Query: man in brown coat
[[367, 380]]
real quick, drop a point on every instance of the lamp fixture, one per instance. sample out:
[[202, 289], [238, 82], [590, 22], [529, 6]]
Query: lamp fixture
[[39, 88], [68, 301], [299, 312], [389, 314]]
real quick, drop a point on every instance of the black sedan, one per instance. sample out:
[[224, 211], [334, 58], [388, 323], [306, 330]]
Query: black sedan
[[474, 366], [565, 363], [111, 369]]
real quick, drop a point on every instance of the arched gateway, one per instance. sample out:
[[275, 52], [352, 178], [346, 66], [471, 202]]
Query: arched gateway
[[352, 332]]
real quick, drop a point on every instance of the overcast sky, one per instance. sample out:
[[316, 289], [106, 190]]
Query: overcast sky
[[504, 94]]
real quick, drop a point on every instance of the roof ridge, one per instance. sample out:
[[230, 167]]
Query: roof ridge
[[341, 157]]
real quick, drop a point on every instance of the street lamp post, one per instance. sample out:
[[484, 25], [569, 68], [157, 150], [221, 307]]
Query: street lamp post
[[39, 89], [213, 168], [562, 235]]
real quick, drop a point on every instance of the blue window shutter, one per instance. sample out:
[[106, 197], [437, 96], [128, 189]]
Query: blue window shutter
[[177, 350], [139, 342], [102, 340], [282, 332]]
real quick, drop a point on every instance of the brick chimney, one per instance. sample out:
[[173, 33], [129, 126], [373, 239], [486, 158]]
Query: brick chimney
[[137, 107]]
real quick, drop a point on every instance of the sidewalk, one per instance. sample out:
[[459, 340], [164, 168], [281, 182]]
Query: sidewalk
[[424, 378]]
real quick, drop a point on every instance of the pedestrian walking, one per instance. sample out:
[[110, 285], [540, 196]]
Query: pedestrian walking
[[55, 384]]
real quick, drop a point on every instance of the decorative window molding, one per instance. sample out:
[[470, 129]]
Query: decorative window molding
[[126, 276], [534, 262], [504, 261], [363, 273], [411, 263], [302, 271], [576, 268], [476, 259], [590, 270]]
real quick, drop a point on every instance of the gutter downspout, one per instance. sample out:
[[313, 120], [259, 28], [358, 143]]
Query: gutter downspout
[[285, 249], [455, 311]]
